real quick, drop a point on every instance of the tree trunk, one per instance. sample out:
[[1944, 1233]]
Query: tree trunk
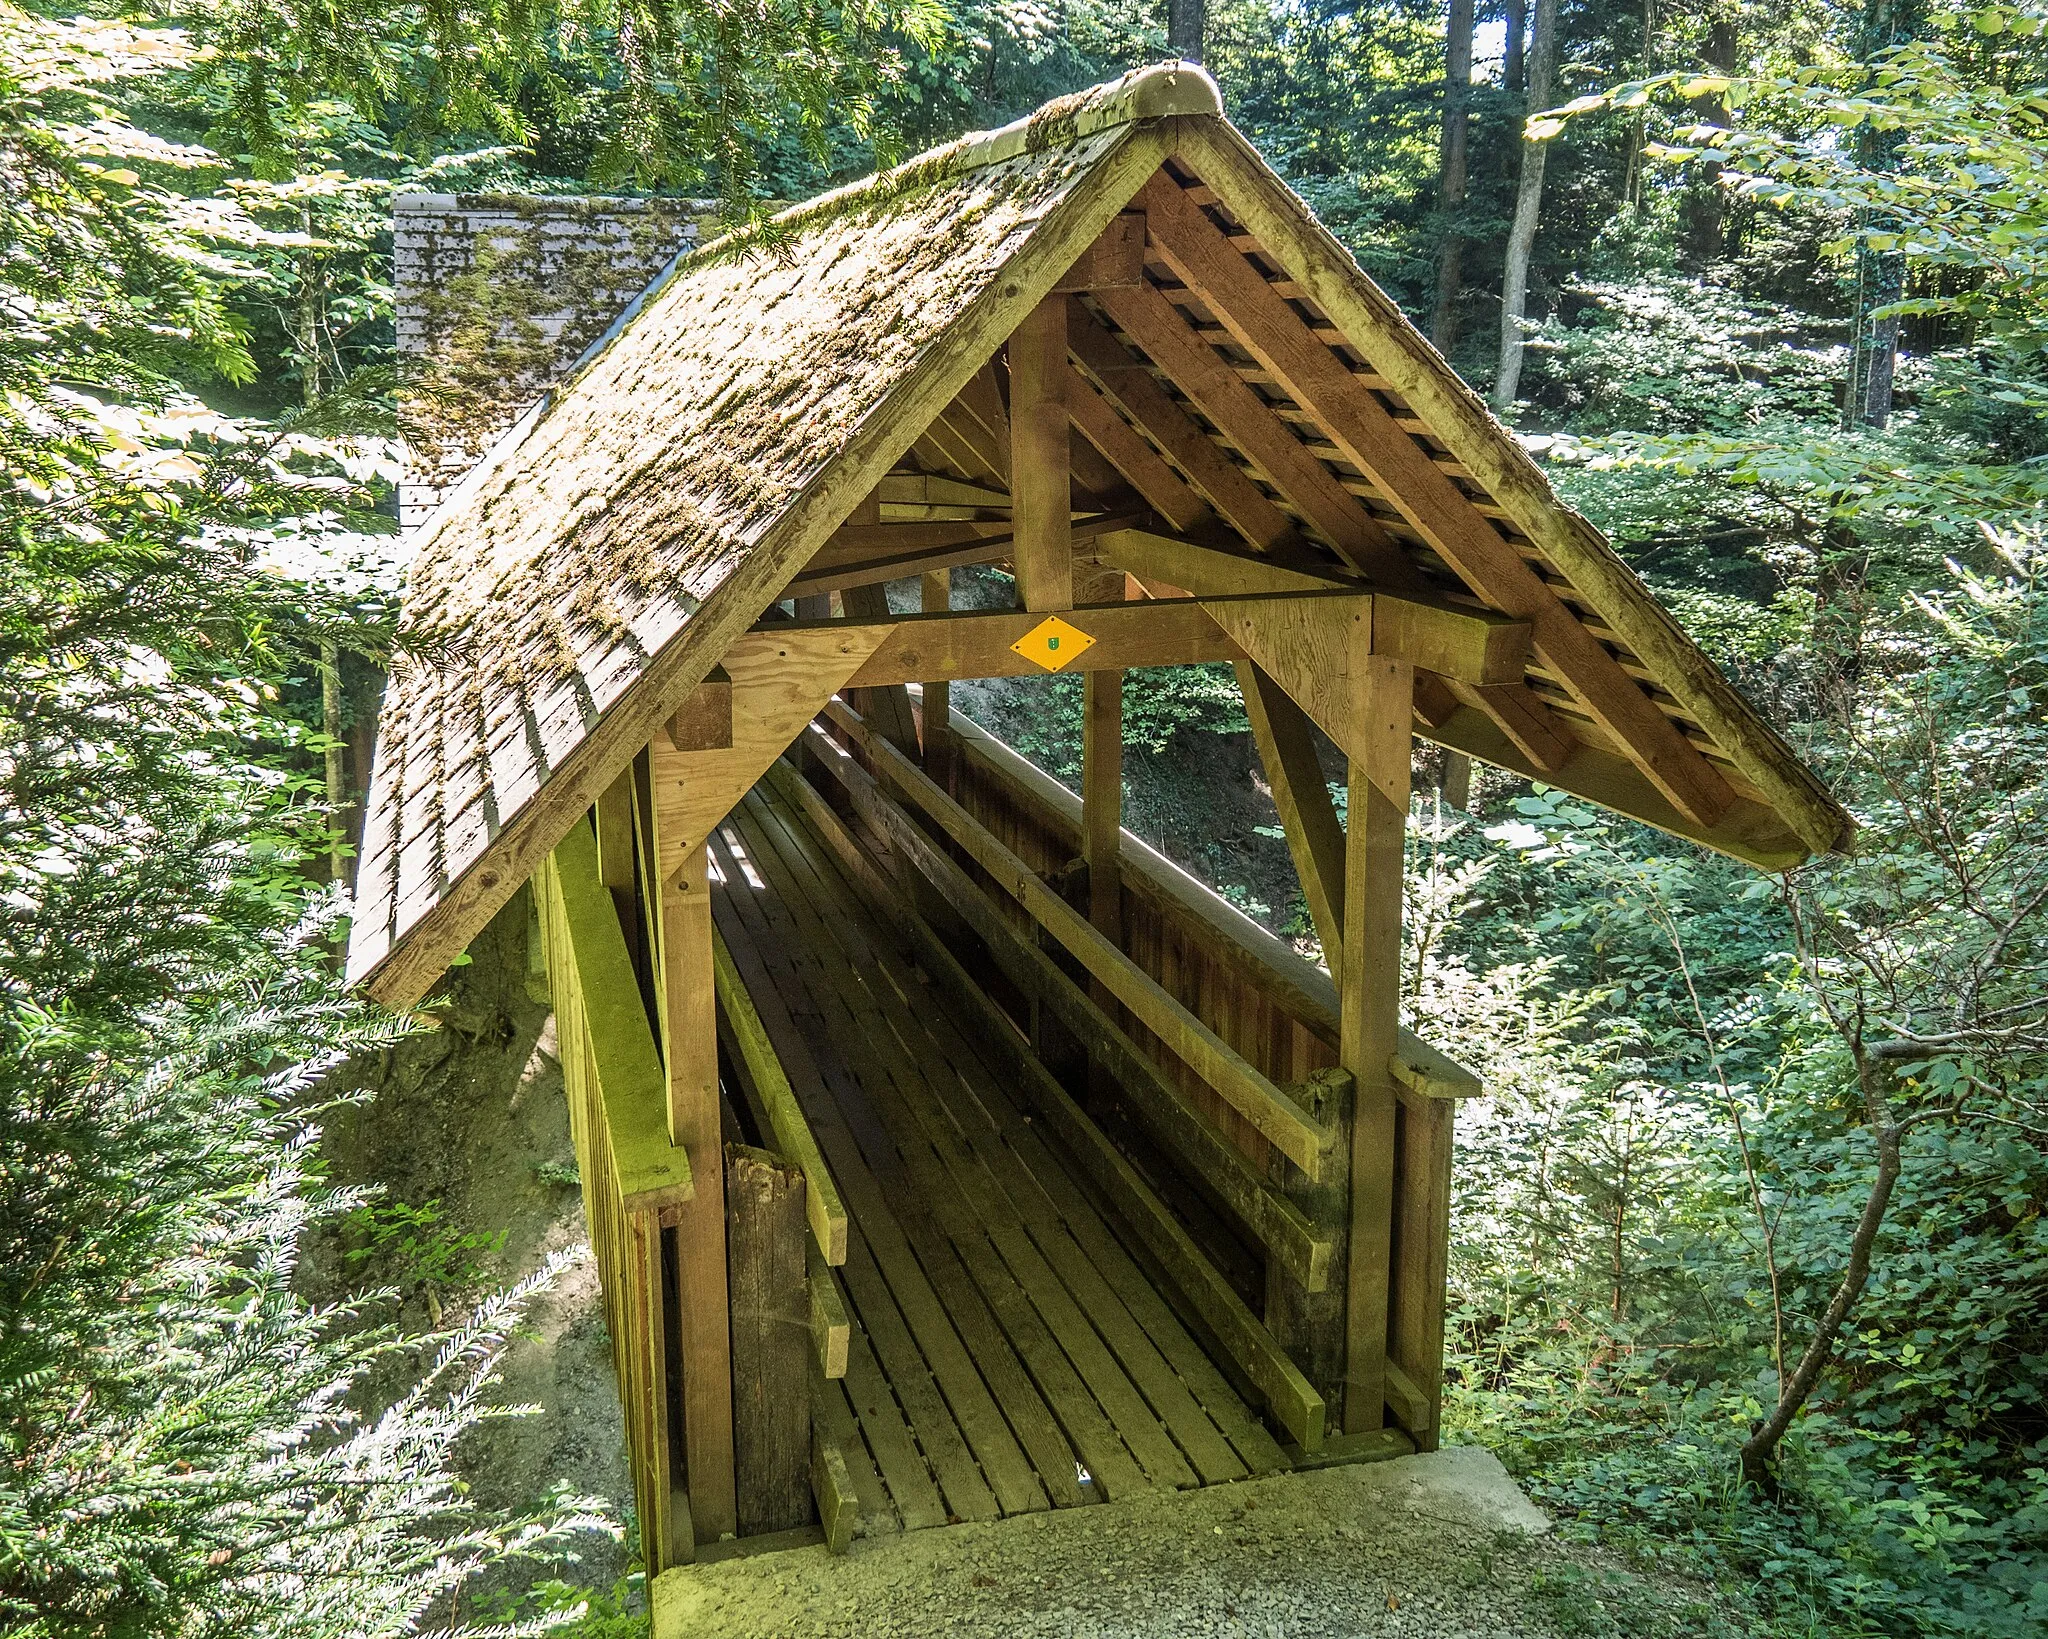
[[1184, 28], [1451, 175], [1514, 47], [1880, 275], [1514, 300], [1701, 236], [1760, 1450]]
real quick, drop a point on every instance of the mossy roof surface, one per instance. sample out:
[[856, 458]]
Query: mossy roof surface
[[586, 542]]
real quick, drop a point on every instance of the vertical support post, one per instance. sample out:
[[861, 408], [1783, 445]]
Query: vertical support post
[[886, 707], [1369, 993], [937, 590], [690, 1045], [1041, 490], [771, 1340], [1422, 1241], [1310, 1325], [615, 857], [1102, 798]]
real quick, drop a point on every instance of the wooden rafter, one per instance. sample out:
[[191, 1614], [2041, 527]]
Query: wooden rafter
[[1193, 366], [1124, 447], [1265, 325], [1130, 382]]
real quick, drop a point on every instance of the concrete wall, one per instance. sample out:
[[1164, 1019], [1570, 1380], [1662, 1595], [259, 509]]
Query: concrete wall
[[498, 295]]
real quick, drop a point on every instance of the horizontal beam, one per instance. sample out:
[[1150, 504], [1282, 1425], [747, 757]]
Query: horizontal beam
[[1207, 571], [942, 647], [1302, 990], [1470, 645], [1239, 1083]]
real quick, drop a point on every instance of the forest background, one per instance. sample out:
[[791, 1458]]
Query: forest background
[[1751, 1274]]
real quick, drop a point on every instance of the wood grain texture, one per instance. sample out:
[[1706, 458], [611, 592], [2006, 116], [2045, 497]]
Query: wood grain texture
[[1185, 1131], [1400, 468], [780, 1109], [1285, 738], [1130, 382], [1041, 488], [1234, 1078], [617, 1139], [704, 1334], [1370, 991], [770, 1340], [779, 679]]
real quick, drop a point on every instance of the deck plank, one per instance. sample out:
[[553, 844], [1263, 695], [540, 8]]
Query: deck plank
[[1067, 1390], [1087, 1218], [952, 1330], [975, 1128], [987, 1387], [916, 1073]]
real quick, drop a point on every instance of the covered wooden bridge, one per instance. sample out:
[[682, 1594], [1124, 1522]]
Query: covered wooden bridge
[[948, 1153]]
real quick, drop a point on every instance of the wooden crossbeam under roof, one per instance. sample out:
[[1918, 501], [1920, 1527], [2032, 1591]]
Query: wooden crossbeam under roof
[[1249, 416]]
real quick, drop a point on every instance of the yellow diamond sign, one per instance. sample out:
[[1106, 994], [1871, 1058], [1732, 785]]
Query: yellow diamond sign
[[1052, 643]]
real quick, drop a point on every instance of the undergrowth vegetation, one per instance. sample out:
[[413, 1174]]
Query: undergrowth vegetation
[[1750, 1274]]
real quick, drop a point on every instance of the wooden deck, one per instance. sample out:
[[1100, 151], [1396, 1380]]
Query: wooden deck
[[1009, 1353]]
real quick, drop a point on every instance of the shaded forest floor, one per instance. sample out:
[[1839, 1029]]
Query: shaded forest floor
[[469, 1130]]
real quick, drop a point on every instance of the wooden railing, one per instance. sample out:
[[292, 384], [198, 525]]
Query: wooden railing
[[631, 1174], [1213, 993]]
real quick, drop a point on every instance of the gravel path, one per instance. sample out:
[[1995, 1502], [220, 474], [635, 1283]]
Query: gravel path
[[1437, 1547]]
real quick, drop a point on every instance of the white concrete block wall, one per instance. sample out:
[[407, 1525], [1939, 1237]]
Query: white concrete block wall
[[474, 354]]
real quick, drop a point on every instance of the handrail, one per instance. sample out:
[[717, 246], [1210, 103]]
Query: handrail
[[1284, 1123], [777, 1103], [1303, 990], [648, 1172]]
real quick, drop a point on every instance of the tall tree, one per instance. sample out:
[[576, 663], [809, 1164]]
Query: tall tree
[[1880, 273], [1450, 265], [1514, 299], [1701, 232], [1185, 24]]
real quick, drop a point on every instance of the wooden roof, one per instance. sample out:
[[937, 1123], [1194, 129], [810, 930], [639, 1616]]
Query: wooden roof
[[1253, 385]]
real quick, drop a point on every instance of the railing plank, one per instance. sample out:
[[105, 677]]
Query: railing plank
[[777, 1105], [1285, 1125]]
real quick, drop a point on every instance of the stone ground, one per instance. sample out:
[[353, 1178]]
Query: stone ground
[[1443, 1546]]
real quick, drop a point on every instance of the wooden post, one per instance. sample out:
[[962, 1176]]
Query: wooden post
[[1422, 1239], [1369, 995], [1310, 1326], [615, 857], [690, 1024], [1315, 836], [771, 1340], [1102, 798], [1041, 493], [887, 708], [937, 587]]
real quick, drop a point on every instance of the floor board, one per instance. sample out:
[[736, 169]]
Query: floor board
[[1008, 1353]]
